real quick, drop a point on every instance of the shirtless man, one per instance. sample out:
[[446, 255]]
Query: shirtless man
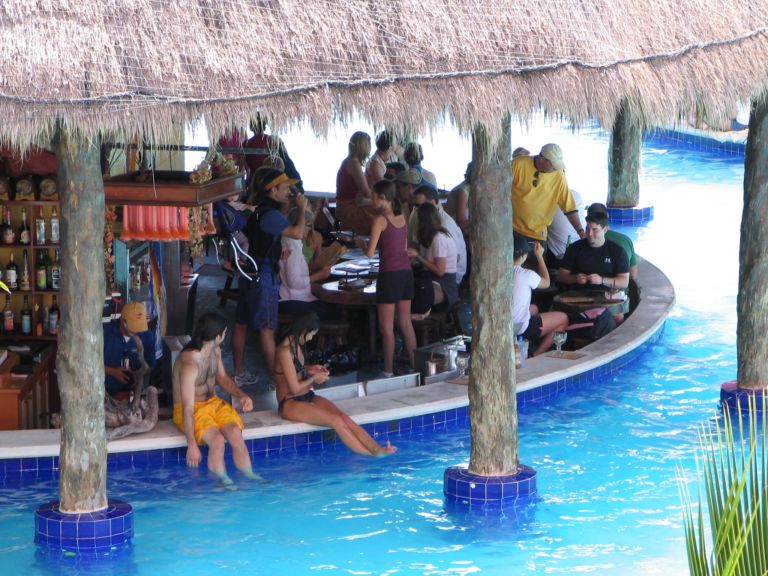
[[203, 417]]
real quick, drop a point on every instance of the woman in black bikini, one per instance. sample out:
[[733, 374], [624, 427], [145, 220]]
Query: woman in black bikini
[[297, 400]]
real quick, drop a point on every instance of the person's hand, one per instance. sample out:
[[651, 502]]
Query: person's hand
[[595, 279], [324, 272], [246, 403], [193, 456], [313, 369], [538, 249], [581, 278], [123, 375]]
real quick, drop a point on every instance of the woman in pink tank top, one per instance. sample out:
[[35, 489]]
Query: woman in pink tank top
[[394, 284]]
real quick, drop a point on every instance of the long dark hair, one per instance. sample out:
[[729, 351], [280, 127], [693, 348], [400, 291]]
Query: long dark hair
[[386, 189], [302, 325], [429, 224], [208, 327]]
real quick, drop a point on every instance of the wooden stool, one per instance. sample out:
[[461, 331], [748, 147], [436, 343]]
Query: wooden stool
[[337, 332]]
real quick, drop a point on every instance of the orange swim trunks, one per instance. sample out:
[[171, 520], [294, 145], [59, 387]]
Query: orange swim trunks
[[212, 412]]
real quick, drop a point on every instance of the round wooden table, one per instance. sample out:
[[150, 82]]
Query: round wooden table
[[580, 300], [363, 298]]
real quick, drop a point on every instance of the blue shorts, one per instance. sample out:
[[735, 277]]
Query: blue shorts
[[257, 304]]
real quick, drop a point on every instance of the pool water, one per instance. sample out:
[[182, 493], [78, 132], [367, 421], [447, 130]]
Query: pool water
[[605, 454]]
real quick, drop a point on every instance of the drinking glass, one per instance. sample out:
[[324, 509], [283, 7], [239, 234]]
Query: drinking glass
[[559, 339]]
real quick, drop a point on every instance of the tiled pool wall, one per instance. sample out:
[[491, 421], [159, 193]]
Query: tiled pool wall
[[683, 139], [13, 470]]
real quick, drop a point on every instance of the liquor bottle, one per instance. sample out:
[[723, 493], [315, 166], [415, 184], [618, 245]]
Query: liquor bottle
[[7, 316], [26, 317], [56, 272], [40, 228], [9, 236], [41, 278], [54, 226], [54, 317], [24, 284], [12, 274], [24, 235]]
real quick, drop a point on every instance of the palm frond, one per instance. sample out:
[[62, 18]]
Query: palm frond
[[732, 462]]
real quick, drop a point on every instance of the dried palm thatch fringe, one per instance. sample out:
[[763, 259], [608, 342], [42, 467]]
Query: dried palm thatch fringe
[[147, 67]]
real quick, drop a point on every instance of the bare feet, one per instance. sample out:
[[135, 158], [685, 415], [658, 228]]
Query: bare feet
[[386, 450]]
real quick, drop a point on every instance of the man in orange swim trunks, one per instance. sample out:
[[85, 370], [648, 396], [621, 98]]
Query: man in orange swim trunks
[[203, 417]]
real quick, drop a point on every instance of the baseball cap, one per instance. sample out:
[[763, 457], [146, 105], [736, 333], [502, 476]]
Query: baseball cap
[[554, 154], [409, 176], [135, 316], [522, 245]]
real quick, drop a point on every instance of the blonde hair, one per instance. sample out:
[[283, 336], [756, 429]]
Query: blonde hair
[[360, 146]]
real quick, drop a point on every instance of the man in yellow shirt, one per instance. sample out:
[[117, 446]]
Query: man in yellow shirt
[[538, 186]]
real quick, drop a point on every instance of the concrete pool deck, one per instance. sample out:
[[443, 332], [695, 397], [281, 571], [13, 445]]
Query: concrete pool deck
[[539, 378]]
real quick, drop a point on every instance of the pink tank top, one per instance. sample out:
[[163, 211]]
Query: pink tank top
[[392, 246], [346, 189]]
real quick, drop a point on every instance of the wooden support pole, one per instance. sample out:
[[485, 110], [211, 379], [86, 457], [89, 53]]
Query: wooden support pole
[[80, 358]]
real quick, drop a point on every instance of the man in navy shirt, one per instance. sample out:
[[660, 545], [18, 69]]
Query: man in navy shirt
[[595, 263], [119, 345]]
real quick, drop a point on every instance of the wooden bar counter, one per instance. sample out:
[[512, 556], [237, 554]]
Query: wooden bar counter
[[24, 402]]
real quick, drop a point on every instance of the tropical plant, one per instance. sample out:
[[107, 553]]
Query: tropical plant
[[732, 464]]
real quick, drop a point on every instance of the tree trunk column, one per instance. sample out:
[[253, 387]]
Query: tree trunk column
[[752, 300], [494, 472], [624, 160], [82, 520]]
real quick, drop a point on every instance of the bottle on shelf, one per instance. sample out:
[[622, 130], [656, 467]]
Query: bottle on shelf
[[55, 283], [40, 228], [26, 317], [24, 232], [41, 275], [9, 235], [54, 226], [12, 274], [25, 284], [54, 317], [8, 326]]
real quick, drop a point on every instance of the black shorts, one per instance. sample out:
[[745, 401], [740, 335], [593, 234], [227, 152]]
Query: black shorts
[[392, 287], [533, 332]]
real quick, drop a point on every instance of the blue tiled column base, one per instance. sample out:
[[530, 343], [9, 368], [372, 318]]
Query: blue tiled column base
[[734, 397], [630, 216], [460, 485], [86, 533]]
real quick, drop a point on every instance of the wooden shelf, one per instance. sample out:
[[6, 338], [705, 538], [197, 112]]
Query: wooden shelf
[[170, 189]]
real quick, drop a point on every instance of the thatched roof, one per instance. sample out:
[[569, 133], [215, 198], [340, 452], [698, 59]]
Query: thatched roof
[[148, 66]]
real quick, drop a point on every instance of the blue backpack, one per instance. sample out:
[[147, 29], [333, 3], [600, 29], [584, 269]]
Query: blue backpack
[[230, 219]]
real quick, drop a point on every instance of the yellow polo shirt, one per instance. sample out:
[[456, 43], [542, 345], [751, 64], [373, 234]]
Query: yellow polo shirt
[[533, 207]]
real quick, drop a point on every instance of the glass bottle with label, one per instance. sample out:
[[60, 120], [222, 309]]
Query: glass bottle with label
[[54, 226], [24, 232], [41, 276], [40, 228], [26, 317], [8, 316], [9, 236], [25, 283], [54, 317], [12, 274], [56, 272]]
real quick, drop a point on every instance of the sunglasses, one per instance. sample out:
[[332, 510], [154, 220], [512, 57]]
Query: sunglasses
[[535, 179]]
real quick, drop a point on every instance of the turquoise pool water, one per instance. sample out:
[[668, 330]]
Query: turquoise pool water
[[605, 454]]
